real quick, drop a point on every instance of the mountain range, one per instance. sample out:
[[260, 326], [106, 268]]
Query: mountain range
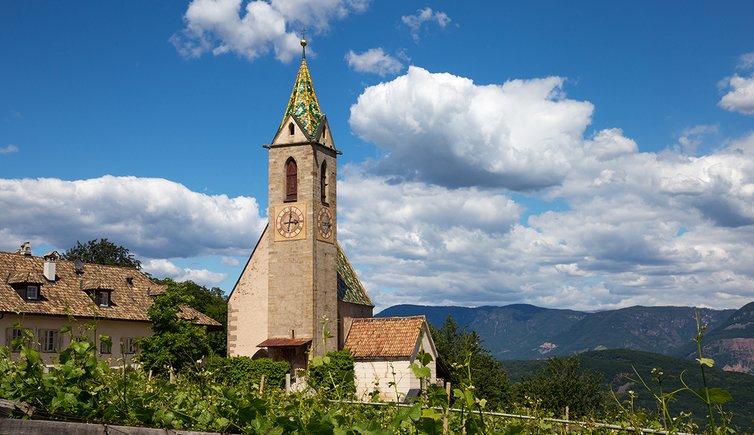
[[524, 332]]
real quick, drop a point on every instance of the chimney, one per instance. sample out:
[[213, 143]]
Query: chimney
[[50, 266], [25, 249]]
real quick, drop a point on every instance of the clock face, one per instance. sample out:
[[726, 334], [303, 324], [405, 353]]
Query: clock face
[[290, 221], [324, 223]]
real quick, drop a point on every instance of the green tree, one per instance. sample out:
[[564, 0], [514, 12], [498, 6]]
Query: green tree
[[562, 383], [175, 342], [102, 251], [210, 301], [457, 347]]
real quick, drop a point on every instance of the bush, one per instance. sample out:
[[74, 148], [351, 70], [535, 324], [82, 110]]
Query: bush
[[243, 371], [333, 375]]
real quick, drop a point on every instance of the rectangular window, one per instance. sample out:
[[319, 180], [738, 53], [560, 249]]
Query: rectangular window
[[13, 337], [129, 346], [32, 292], [103, 299], [105, 347], [49, 339]]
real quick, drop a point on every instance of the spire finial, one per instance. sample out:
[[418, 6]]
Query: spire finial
[[303, 45]]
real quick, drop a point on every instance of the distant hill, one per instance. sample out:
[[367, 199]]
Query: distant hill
[[530, 332], [614, 365], [730, 343]]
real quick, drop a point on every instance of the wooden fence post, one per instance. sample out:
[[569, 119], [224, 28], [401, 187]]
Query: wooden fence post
[[447, 410]]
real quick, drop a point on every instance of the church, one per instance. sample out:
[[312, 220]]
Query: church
[[298, 296]]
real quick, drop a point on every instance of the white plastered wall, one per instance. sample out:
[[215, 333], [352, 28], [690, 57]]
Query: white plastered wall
[[117, 330]]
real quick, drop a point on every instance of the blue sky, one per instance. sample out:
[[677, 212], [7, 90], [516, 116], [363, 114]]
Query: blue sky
[[569, 154]]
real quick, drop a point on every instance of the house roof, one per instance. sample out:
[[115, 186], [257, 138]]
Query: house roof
[[70, 293], [303, 104], [387, 337], [350, 288]]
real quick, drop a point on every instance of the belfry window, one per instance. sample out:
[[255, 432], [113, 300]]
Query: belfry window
[[291, 180], [323, 183]]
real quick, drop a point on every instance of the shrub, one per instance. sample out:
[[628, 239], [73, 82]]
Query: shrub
[[333, 375], [242, 370]]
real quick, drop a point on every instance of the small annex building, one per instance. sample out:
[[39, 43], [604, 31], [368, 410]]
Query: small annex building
[[44, 294], [383, 350], [298, 295]]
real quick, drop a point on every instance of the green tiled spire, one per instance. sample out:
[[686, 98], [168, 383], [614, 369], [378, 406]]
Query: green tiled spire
[[350, 288], [303, 103]]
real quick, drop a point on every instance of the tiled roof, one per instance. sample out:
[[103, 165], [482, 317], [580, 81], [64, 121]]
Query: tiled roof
[[350, 288], [388, 337], [69, 294], [303, 103]]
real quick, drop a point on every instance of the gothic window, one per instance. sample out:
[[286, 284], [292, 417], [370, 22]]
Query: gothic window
[[291, 180], [323, 183], [290, 129]]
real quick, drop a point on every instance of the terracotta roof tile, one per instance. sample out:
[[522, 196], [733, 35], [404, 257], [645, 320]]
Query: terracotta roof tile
[[388, 337], [69, 295]]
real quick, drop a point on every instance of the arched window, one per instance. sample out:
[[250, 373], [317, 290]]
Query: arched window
[[323, 183], [290, 129], [291, 180], [324, 131]]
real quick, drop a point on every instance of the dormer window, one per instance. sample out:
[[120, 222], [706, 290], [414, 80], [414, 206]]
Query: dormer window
[[102, 298], [32, 292]]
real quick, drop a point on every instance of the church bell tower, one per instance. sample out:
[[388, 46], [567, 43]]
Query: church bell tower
[[302, 210]]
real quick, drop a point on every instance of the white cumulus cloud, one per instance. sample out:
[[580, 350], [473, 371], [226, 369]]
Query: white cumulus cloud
[[374, 60], [740, 96], [523, 134], [426, 15], [595, 223], [153, 217], [254, 28], [162, 268]]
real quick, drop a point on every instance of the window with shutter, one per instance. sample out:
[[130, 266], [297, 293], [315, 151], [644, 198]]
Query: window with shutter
[[49, 339]]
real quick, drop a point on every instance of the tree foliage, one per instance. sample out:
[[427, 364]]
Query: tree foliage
[[102, 251], [175, 343], [469, 362], [210, 301], [562, 383]]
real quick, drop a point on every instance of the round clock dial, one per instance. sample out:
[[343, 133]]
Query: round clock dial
[[289, 221], [324, 223]]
